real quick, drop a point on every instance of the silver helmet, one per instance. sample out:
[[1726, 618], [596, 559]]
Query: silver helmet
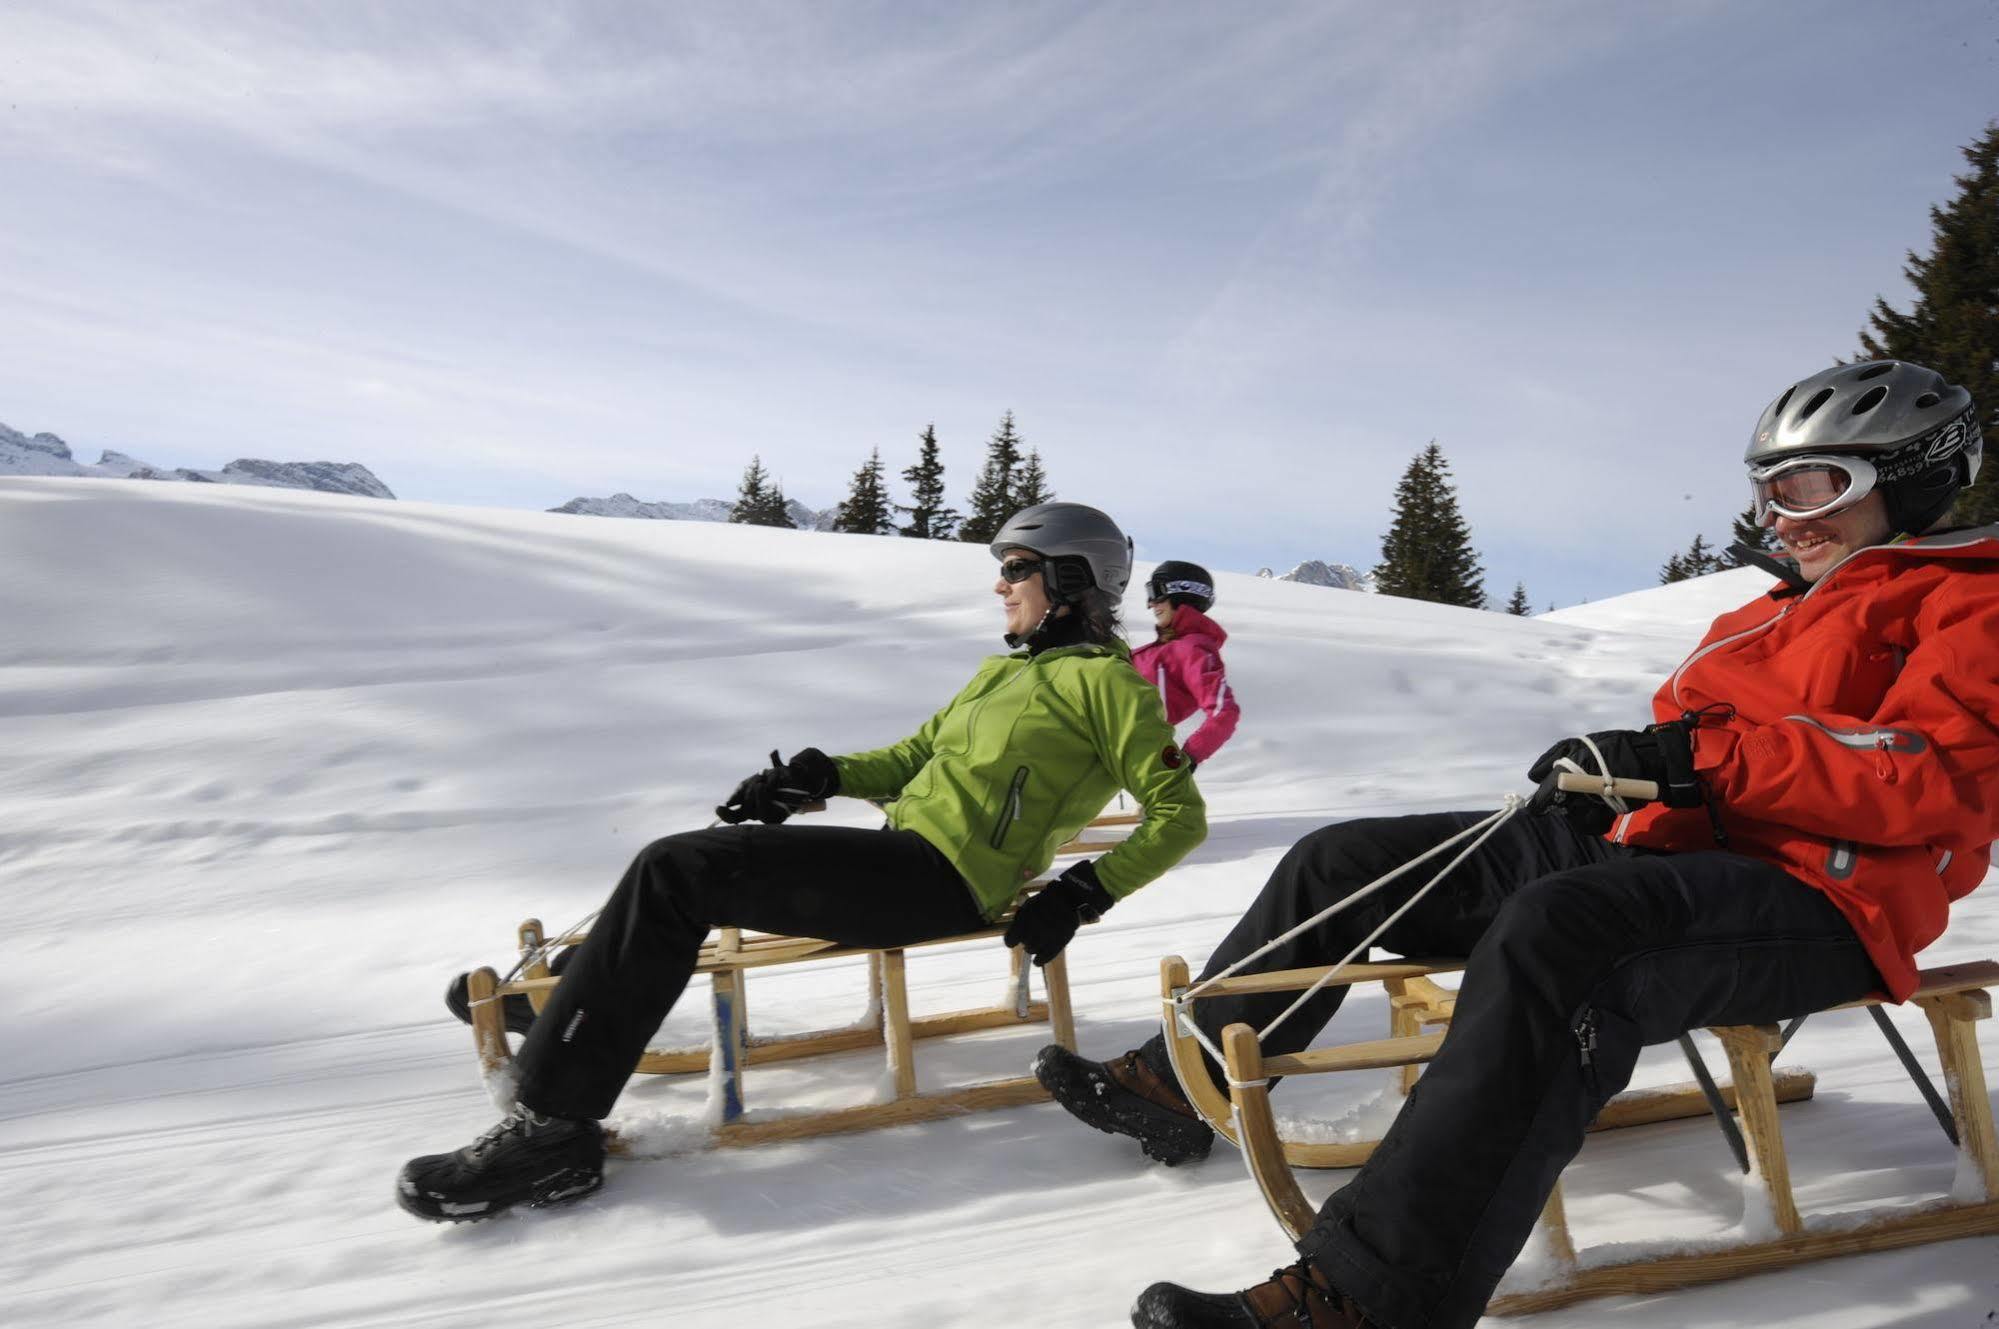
[[1916, 434], [1084, 547]]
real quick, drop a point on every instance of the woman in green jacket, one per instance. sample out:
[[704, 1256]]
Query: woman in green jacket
[[1012, 767]]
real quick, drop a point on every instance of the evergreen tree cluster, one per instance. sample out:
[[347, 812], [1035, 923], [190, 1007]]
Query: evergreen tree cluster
[[760, 499], [1953, 327], [1700, 558], [1009, 481]]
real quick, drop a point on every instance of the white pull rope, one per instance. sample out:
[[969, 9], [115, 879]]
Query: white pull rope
[[1488, 827], [1512, 803]]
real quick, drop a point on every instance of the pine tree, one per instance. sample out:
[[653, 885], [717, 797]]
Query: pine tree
[[992, 495], [929, 519], [1427, 553], [777, 508], [1953, 327], [752, 495], [1698, 561], [1746, 532], [760, 499], [1518, 604], [865, 510], [1031, 485]]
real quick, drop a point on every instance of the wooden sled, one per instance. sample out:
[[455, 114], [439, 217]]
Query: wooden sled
[[1954, 998], [1418, 1009], [727, 959]]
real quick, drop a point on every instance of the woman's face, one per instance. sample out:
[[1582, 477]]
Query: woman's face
[[1162, 612], [1026, 601], [1819, 542]]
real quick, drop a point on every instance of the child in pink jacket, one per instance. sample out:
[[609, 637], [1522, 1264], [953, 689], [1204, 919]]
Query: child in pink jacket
[[1185, 663]]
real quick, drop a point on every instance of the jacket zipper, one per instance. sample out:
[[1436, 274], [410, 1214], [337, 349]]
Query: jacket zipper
[[1010, 809]]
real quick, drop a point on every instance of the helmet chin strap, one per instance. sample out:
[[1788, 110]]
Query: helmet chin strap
[[1016, 640]]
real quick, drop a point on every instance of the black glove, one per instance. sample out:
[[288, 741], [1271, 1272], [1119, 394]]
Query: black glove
[[782, 788], [1046, 922], [1663, 754]]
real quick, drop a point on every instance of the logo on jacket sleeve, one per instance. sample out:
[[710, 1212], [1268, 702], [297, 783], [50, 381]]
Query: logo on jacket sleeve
[[1170, 754]]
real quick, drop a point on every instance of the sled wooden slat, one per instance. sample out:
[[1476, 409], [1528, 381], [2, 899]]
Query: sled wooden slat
[[1296, 980], [1954, 1000], [1421, 1006], [888, 1024]]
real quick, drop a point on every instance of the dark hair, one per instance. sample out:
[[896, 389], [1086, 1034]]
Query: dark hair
[[1098, 610]]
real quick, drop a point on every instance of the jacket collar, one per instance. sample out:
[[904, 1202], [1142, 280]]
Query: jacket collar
[[1191, 622]]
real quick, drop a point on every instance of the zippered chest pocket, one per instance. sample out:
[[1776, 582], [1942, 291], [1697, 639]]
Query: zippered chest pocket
[[1008, 811]]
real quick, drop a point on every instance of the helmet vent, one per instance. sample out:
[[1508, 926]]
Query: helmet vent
[[1784, 400], [1927, 400], [1874, 371], [1869, 399], [1819, 399]]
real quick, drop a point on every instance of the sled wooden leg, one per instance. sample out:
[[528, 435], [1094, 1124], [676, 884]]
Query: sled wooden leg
[[1555, 1222], [1061, 1017], [1249, 1092], [725, 990], [1750, 1048], [895, 1010], [1953, 1019], [534, 963], [489, 1028]]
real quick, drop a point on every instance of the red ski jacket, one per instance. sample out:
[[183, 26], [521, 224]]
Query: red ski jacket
[[1851, 737], [1188, 673]]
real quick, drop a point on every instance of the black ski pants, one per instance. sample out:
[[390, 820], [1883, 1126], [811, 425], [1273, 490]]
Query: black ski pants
[[874, 888], [1580, 953]]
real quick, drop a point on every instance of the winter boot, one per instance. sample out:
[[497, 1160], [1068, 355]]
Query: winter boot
[[515, 1008], [1126, 1097], [1295, 1298], [527, 1158]]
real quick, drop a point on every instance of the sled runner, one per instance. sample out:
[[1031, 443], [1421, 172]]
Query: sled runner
[[1954, 998], [727, 959]]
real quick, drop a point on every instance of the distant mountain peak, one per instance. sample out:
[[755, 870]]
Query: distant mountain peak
[[45, 454], [701, 509], [1312, 572]]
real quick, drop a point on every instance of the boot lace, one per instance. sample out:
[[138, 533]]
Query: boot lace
[[1309, 1290], [521, 1121]]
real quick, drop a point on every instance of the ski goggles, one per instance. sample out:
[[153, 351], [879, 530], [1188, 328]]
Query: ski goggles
[[1013, 571], [1159, 588], [1802, 488]]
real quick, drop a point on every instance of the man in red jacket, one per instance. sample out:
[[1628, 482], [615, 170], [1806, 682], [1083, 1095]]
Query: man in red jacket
[[1828, 768]]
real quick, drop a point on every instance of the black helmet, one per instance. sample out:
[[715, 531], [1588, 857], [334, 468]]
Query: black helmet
[[1181, 583], [1084, 548], [1885, 425]]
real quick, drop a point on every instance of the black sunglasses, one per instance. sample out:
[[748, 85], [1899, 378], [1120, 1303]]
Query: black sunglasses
[[1016, 570]]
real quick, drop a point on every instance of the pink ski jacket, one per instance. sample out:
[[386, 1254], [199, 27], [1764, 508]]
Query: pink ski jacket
[[1188, 673]]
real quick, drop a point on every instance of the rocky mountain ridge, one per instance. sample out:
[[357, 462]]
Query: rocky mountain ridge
[[47, 454]]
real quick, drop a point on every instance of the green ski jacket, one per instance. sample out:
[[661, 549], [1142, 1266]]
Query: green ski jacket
[[1025, 757]]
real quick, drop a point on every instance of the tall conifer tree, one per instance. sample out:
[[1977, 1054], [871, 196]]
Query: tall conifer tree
[[1953, 327], [1427, 553], [992, 494], [929, 519], [1031, 485], [865, 510]]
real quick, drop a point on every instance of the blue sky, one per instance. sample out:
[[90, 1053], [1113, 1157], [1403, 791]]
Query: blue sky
[[1231, 266]]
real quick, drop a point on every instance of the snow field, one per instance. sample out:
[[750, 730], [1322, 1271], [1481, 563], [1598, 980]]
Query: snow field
[[274, 765]]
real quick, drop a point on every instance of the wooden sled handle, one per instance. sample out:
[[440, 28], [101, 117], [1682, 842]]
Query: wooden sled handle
[[1574, 783]]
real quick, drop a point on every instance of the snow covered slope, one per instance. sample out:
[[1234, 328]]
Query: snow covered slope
[[273, 765]]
